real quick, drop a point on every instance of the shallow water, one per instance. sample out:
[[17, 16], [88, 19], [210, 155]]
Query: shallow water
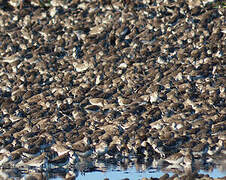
[[130, 173], [134, 172], [216, 173], [132, 168]]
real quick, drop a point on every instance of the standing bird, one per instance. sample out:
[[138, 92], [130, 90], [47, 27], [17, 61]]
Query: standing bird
[[38, 161], [63, 160], [82, 148], [59, 148], [4, 158], [19, 3], [12, 3]]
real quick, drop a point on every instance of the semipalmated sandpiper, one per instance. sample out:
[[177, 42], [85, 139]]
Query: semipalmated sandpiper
[[59, 148], [37, 161], [63, 160]]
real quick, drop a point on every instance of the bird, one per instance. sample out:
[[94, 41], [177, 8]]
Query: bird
[[215, 148], [4, 158], [71, 175], [10, 59], [38, 161], [85, 165], [200, 150], [157, 147], [188, 158], [101, 149], [82, 148], [176, 158], [64, 160], [59, 148], [31, 152]]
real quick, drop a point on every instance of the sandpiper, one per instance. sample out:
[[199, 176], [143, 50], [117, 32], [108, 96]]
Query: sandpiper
[[216, 148], [176, 158], [82, 148], [188, 158], [36, 162], [82, 151], [15, 157], [63, 160], [32, 152], [3, 174], [97, 101], [123, 101], [175, 168], [71, 175], [200, 149], [159, 163], [4, 158], [35, 175], [11, 59], [157, 147], [101, 149], [59, 148], [85, 165]]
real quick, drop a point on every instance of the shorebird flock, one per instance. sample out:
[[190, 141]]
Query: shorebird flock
[[84, 83]]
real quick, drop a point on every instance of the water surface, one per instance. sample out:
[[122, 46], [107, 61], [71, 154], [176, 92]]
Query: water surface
[[134, 172]]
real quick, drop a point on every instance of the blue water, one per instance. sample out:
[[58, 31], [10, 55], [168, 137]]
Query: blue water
[[214, 174], [133, 174], [130, 173]]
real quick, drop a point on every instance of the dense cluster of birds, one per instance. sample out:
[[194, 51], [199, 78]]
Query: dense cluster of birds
[[85, 80]]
